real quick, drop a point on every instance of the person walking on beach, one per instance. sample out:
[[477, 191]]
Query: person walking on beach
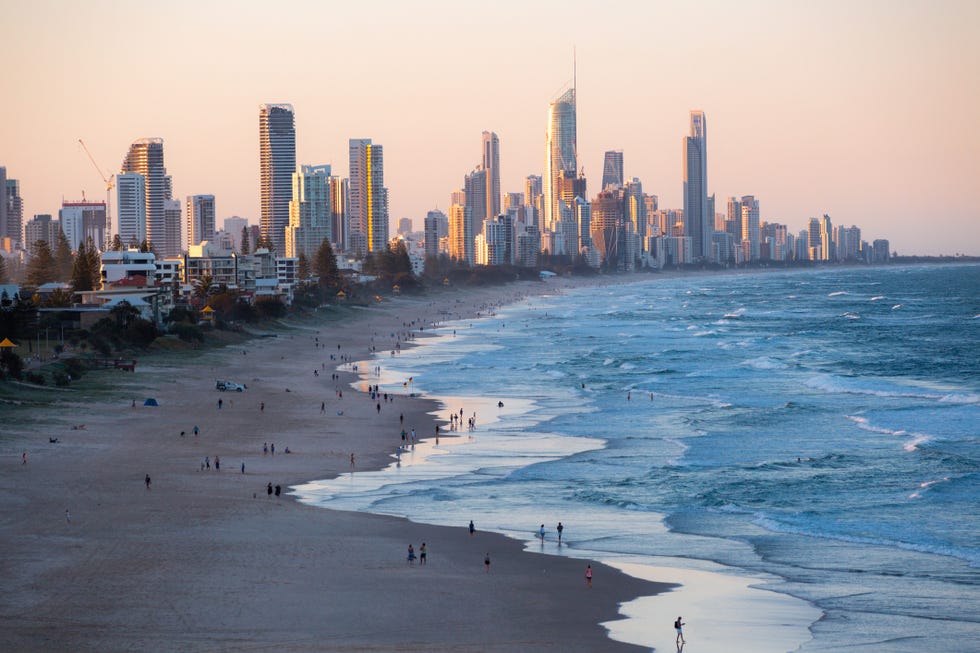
[[472, 528], [588, 576], [541, 533], [220, 402], [23, 458], [147, 481], [67, 516], [559, 528], [268, 489], [486, 561], [411, 555], [422, 554], [678, 626], [278, 489], [196, 430]]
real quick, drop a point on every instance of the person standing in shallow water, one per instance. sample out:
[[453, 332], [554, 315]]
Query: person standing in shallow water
[[472, 528]]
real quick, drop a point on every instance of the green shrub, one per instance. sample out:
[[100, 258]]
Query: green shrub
[[187, 332], [35, 378], [61, 378]]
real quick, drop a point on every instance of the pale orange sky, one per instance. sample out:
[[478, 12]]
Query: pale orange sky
[[866, 111]]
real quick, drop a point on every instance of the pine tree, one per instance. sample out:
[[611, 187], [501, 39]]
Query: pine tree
[[117, 243], [41, 269], [304, 266], [325, 266], [94, 264], [63, 257], [85, 273], [246, 250]]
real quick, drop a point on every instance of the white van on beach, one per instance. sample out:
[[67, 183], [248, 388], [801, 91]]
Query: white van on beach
[[229, 385]]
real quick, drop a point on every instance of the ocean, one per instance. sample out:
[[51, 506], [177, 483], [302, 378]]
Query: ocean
[[809, 435]]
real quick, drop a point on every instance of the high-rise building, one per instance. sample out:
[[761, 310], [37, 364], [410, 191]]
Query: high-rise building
[[201, 219], [277, 162], [534, 199], [233, 226], [612, 169], [733, 223], [11, 208], [404, 226], [145, 157], [634, 208], [750, 225], [491, 163], [461, 236], [310, 212], [560, 153], [340, 212], [3, 202], [436, 228], [368, 196], [41, 227], [131, 207], [174, 230], [83, 220], [475, 185], [606, 229], [698, 223]]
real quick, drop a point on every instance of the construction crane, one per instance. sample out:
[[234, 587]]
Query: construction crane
[[109, 185]]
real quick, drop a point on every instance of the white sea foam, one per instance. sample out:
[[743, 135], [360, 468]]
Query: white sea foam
[[838, 293], [831, 383], [765, 363], [877, 297]]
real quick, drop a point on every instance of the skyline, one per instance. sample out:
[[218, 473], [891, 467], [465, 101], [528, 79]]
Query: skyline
[[865, 101]]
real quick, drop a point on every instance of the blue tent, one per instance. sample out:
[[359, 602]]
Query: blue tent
[[150, 402]]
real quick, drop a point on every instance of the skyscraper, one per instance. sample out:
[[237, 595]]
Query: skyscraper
[[368, 196], [560, 153], [131, 207], [174, 237], [145, 157], [612, 169], [461, 237], [13, 205], [277, 162], [436, 227], [491, 163], [750, 225], [475, 184], [533, 198], [3, 202], [310, 212], [698, 223], [201, 219], [83, 220], [340, 212]]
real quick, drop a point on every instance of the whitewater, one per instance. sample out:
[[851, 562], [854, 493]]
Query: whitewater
[[805, 442]]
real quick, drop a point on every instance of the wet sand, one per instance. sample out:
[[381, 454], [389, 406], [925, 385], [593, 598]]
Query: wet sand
[[206, 560]]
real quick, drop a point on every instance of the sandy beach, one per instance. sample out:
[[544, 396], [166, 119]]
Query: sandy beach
[[96, 559]]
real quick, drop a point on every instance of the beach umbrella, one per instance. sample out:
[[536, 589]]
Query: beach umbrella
[[150, 402], [6, 344]]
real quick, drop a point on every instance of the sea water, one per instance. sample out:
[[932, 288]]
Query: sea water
[[814, 430]]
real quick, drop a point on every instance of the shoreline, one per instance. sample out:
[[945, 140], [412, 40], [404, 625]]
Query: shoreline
[[779, 619], [203, 561]]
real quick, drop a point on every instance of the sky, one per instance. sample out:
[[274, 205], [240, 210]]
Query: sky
[[867, 111]]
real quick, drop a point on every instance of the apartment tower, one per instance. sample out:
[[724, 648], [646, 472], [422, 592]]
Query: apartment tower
[[277, 163]]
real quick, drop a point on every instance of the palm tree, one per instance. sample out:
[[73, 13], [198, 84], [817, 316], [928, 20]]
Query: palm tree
[[204, 287]]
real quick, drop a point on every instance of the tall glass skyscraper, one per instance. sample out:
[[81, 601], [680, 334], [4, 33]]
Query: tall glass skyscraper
[[368, 196], [612, 169], [145, 157], [698, 222], [491, 163], [277, 163], [560, 153]]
